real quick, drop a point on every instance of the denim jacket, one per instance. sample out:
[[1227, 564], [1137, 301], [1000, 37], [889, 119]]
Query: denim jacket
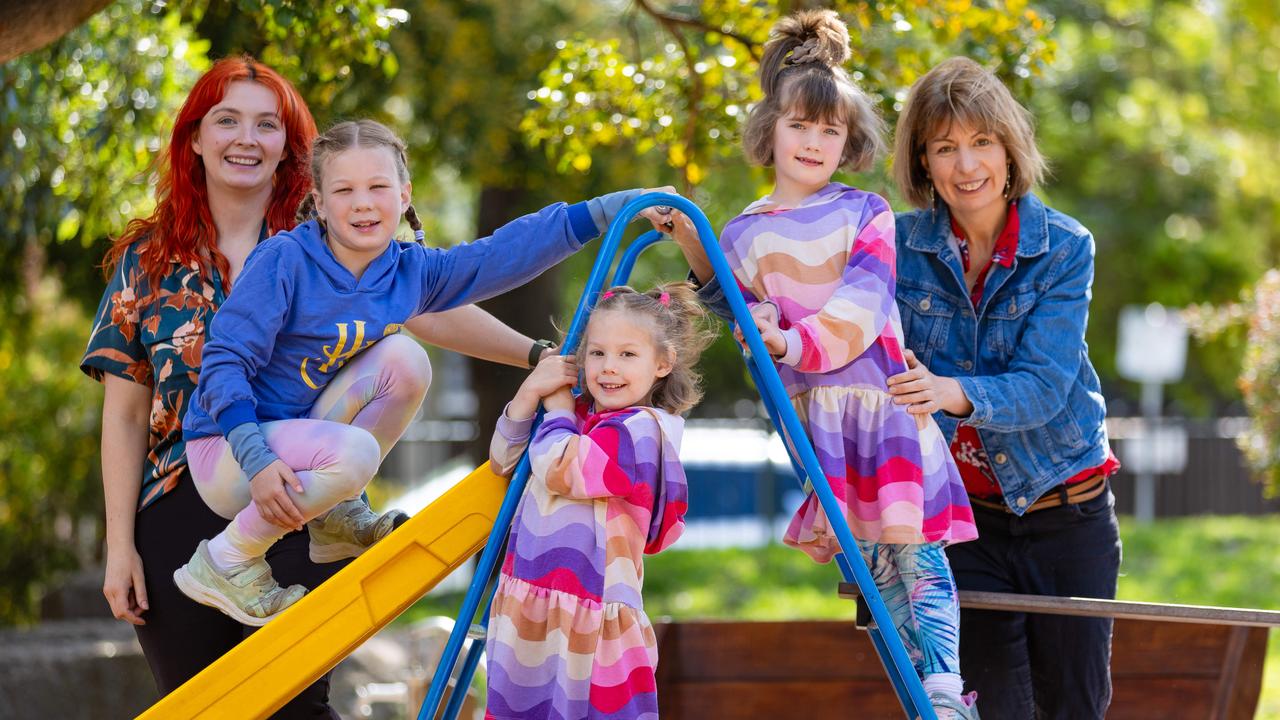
[[1021, 359]]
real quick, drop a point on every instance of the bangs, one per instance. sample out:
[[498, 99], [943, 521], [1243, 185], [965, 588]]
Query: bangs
[[976, 105], [817, 96]]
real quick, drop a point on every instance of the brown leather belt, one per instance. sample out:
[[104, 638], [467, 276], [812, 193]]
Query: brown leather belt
[[1056, 497]]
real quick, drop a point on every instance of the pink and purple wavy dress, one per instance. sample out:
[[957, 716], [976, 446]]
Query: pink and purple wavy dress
[[568, 636], [828, 265]]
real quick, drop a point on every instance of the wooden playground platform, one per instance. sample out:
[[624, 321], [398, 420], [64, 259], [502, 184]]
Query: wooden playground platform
[[1168, 661]]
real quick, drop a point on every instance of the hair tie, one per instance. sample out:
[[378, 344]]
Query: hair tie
[[809, 51], [606, 295], [420, 236], [665, 299]]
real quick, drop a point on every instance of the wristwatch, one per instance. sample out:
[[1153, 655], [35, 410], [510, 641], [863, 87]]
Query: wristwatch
[[535, 352]]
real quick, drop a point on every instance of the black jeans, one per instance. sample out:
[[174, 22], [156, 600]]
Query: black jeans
[[1026, 665], [181, 636]]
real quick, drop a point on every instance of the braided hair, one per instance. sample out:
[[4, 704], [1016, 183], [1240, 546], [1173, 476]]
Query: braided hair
[[347, 135]]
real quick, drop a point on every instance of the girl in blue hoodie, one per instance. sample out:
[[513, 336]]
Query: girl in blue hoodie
[[307, 384]]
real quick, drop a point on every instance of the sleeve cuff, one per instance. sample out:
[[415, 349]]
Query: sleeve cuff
[[559, 415], [513, 430], [982, 407], [712, 295], [795, 347], [584, 227], [249, 447], [236, 414]]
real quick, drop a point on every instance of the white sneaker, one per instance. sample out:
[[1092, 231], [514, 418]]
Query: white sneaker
[[950, 707], [246, 591]]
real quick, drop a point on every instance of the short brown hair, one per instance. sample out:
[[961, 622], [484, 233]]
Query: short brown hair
[[802, 73], [961, 89]]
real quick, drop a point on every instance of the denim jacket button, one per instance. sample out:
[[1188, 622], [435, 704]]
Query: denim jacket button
[[925, 304], [1022, 502], [966, 365], [1013, 307], [1001, 459]]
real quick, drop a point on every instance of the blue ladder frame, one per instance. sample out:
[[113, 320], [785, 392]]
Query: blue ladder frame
[[889, 647]]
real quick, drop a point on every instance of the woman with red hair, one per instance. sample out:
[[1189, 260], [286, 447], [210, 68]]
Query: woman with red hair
[[235, 172]]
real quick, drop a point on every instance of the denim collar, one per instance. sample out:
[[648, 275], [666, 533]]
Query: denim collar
[[930, 233]]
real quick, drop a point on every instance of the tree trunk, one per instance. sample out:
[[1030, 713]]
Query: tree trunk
[[26, 25], [529, 309]]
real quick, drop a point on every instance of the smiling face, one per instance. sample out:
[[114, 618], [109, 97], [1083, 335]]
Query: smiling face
[[361, 201], [621, 363], [968, 168], [241, 139], [806, 153]]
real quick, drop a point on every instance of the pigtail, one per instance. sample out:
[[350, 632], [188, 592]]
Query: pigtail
[[411, 217], [307, 209], [688, 332]]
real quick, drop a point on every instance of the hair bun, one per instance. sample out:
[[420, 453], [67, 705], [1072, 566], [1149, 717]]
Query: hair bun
[[815, 36]]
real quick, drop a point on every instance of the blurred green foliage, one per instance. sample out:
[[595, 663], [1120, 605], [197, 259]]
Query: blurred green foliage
[[83, 121], [50, 498]]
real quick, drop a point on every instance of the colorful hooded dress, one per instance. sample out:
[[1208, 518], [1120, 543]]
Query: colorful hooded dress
[[828, 265], [568, 636]]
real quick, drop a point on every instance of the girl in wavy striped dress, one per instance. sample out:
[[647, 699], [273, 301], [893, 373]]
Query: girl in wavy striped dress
[[815, 261], [568, 636]]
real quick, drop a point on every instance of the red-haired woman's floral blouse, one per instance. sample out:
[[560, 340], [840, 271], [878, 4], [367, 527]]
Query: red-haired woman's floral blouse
[[155, 336]]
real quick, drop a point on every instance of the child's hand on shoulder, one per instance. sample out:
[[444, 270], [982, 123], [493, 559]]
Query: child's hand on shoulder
[[553, 373]]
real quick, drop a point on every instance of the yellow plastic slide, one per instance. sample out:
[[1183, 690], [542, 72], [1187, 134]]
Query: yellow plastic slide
[[275, 663]]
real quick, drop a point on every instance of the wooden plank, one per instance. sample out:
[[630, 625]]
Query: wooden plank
[[865, 700], [1172, 697], [1148, 648], [763, 669], [1248, 685], [1094, 607], [714, 651]]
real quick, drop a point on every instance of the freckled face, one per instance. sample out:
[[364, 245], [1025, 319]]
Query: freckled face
[[241, 139]]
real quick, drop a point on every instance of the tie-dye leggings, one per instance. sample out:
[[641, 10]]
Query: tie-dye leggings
[[335, 451], [919, 591]]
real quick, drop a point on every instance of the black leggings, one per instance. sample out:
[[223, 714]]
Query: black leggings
[[181, 636]]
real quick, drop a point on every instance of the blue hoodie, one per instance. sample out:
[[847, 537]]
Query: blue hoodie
[[296, 315]]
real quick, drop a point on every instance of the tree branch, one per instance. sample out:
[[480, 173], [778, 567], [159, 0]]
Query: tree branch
[[670, 20]]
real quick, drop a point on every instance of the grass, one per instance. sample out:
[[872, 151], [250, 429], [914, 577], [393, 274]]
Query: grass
[[1228, 561]]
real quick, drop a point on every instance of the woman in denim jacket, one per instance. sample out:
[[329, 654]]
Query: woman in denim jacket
[[994, 290]]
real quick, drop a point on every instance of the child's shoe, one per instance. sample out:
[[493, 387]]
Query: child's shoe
[[950, 707], [349, 529], [246, 591]]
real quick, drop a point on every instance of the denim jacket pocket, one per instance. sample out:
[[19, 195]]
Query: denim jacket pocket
[[927, 315], [1007, 319]]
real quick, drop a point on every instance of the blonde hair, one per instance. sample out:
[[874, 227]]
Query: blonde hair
[[961, 90], [347, 135], [680, 329], [802, 74]]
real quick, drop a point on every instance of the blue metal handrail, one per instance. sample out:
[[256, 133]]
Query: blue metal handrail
[[884, 634]]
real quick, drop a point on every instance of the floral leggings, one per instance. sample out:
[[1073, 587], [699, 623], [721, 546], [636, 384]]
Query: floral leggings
[[335, 451], [917, 587]]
